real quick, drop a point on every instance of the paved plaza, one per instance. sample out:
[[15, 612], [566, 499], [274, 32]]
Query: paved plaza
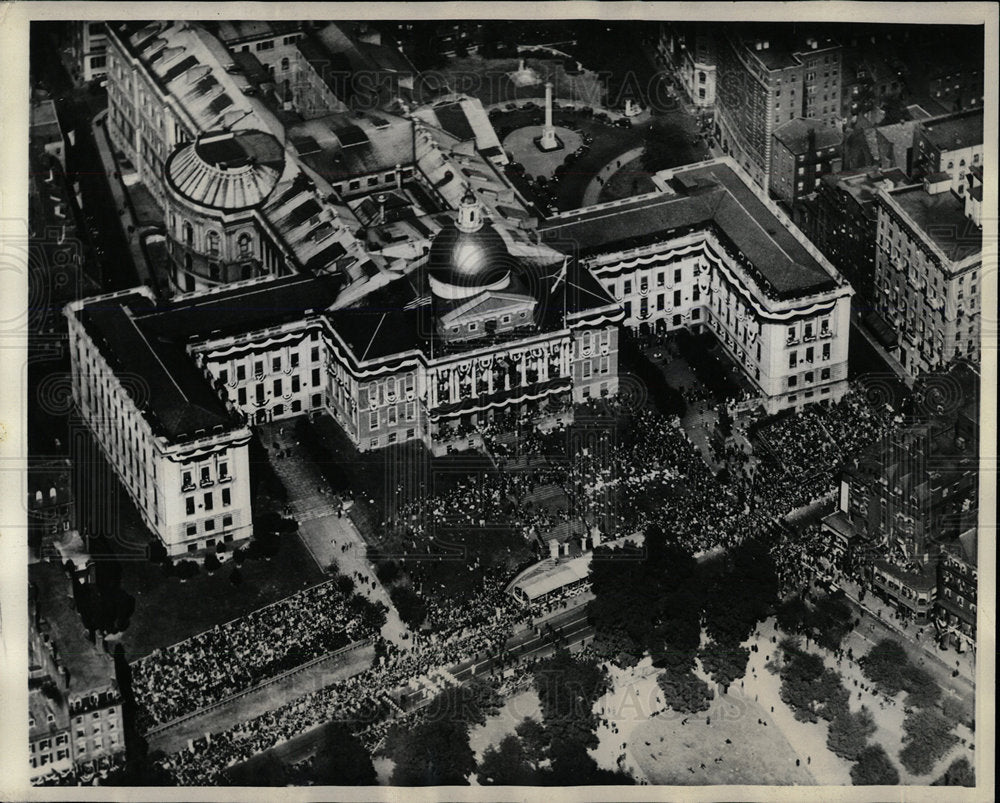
[[520, 144], [324, 528]]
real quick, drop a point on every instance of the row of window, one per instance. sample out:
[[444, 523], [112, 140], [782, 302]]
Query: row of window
[[208, 526], [793, 357], [208, 501], [809, 377], [277, 365], [277, 386]]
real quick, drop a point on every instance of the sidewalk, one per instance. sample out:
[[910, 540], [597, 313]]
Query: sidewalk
[[945, 660], [329, 535]]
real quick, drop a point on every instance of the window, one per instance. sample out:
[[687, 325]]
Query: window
[[793, 359], [209, 527], [627, 287], [241, 396], [677, 298], [245, 245], [276, 364], [294, 359], [473, 326], [189, 505], [792, 381], [411, 411], [391, 416], [227, 497], [277, 387], [223, 471], [186, 481], [824, 374], [193, 547], [241, 372], [826, 351], [696, 314], [284, 64], [191, 530], [295, 384], [315, 376], [208, 501], [373, 420]]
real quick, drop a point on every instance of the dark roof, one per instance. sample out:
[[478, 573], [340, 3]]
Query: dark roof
[[90, 668], [242, 309], [179, 68], [706, 195], [955, 131], [941, 218], [146, 344], [795, 135], [453, 120], [173, 394]]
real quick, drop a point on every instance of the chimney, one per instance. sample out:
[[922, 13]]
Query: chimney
[[595, 536], [553, 548]]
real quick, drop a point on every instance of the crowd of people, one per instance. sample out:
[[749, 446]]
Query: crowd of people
[[368, 701], [624, 477], [233, 657]]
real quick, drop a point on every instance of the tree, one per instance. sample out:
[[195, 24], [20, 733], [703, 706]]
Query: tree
[[472, 703], [831, 620], [236, 577], [927, 737], [724, 664], [341, 759], [211, 563], [432, 753], [874, 768], [885, 666], [792, 615], [799, 678], [411, 608], [959, 773], [572, 765], [685, 691], [534, 739], [849, 732], [506, 765], [567, 690]]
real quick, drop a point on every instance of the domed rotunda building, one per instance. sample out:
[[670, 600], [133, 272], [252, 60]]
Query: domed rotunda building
[[476, 285], [215, 185]]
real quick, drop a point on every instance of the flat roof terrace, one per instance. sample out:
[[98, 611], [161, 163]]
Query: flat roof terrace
[[941, 219], [703, 196]]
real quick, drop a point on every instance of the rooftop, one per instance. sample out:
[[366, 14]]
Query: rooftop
[[941, 220], [802, 135], [955, 131], [704, 195], [226, 170], [343, 146], [90, 668]]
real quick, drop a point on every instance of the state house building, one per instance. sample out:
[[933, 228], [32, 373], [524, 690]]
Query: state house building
[[491, 319], [479, 328]]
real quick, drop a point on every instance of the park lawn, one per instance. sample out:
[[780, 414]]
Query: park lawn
[[757, 755]]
